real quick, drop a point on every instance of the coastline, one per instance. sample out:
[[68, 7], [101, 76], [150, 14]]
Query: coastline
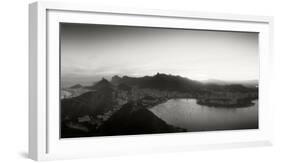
[[245, 103]]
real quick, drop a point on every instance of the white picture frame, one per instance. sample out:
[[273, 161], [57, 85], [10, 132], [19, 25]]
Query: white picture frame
[[44, 141]]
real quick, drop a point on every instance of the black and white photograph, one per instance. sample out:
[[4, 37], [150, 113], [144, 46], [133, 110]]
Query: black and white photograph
[[129, 80]]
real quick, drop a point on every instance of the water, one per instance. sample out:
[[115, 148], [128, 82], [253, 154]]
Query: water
[[187, 114]]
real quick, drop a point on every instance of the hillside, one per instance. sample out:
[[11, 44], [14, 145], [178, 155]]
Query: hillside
[[94, 102]]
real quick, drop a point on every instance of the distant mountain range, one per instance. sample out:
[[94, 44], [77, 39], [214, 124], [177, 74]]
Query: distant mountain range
[[182, 84], [172, 82], [160, 82]]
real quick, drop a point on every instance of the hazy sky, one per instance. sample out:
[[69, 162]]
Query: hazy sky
[[90, 52]]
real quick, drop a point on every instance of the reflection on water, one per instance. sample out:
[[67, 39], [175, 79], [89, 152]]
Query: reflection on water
[[186, 113]]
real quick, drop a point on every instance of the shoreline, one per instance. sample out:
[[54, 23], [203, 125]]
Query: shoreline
[[230, 106], [226, 106]]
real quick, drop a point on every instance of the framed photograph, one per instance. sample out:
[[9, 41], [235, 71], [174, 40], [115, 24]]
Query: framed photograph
[[110, 81]]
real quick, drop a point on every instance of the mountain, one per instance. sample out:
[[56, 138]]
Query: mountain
[[131, 119], [162, 82], [76, 86], [103, 83], [116, 80], [97, 101]]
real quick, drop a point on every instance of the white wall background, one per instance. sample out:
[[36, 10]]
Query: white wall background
[[14, 80]]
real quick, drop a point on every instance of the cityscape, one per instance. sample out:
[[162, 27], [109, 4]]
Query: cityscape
[[131, 80]]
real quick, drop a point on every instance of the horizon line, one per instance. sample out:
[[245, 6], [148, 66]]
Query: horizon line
[[199, 80]]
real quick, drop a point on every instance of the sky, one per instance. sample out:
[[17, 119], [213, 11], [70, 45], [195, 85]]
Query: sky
[[90, 52]]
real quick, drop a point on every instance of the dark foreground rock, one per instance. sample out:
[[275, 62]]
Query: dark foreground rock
[[137, 121]]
